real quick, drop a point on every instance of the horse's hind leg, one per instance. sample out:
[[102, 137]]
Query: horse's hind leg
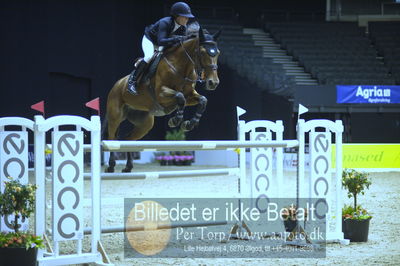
[[114, 119], [143, 122], [112, 135], [201, 103], [129, 163]]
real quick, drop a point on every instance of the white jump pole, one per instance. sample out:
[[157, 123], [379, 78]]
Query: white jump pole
[[129, 146], [122, 229], [166, 174]]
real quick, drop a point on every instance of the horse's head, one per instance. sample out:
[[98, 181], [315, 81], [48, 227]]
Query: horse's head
[[208, 58]]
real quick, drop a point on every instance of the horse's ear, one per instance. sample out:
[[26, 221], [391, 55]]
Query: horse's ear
[[201, 35], [216, 35]]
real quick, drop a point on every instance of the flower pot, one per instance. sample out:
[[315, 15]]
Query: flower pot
[[355, 230], [290, 225], [176, 162], [18, 256]]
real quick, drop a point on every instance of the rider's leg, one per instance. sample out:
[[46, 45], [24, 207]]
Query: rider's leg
[[132, 82], [148, 50]]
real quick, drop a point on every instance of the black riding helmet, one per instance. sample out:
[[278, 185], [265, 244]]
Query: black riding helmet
[[181, 9]]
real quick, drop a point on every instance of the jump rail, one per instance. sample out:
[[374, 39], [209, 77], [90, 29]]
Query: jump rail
[[167, 174], [121, 229], [128, 146]]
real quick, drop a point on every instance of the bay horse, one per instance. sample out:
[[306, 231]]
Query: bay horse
[[171, 88]]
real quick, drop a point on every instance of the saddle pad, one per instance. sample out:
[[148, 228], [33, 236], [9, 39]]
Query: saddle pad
[[153, 66]]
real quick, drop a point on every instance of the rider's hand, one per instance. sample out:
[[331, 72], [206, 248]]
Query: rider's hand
[[180, 38]]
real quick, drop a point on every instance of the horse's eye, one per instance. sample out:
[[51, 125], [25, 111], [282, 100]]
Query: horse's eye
[[212, 51]]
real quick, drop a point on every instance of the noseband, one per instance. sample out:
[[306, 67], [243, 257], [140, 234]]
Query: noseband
[[211, 51]]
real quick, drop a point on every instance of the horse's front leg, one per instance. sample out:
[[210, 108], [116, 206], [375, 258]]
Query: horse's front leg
[[201, 102], [177, 119]]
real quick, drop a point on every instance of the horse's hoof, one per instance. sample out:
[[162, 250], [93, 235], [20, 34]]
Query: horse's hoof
[[110, 169], [174, 122], [126, 170], [171, 123], [186, 126]]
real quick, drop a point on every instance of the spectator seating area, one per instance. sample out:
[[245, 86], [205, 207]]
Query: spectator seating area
[[386, 38], [335, 52], [332, 52], [240, 54]]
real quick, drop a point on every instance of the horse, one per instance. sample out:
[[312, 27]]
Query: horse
[[172, 87]]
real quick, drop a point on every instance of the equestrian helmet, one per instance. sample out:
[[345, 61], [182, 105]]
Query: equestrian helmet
[[181, 9]]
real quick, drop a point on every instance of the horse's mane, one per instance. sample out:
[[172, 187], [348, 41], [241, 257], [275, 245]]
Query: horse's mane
[[193, 28], [193, 33], [173, 48]]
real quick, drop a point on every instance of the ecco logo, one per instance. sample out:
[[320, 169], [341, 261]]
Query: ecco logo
[[68, 172], [262, 172], [320, 170]]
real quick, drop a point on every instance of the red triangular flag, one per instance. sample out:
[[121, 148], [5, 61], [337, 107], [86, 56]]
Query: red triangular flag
[[38, 107], [94, 104]]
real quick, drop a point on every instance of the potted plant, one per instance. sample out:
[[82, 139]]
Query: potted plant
[[164, 159], [159, 157], [355, 222], [18, 248], [183, 158], [187, 158], [179, 157], [176, 134]]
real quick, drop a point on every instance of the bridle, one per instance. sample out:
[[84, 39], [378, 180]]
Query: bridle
[[198, 67]]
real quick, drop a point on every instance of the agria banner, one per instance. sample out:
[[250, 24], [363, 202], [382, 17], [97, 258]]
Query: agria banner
[[367, 94]]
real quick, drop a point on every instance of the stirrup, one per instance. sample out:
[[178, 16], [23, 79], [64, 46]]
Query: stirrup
[[132, 83], [132, 89]]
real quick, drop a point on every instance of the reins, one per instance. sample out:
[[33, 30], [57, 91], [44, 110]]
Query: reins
[[196, 68]]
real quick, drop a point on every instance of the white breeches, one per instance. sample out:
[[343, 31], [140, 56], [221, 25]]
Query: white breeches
[[149, 48]]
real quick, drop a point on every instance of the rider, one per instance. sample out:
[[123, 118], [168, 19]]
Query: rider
[[165, 32]]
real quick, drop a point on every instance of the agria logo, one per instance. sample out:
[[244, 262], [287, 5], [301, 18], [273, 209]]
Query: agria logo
[[374, 95], [372, 92]]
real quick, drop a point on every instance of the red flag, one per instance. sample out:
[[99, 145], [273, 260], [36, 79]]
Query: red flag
[[94, 104], [38, 107]]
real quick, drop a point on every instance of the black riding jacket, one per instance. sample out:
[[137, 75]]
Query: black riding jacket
[[160, 33]]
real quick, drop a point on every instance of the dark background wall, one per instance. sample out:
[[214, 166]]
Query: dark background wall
[[68, 52]]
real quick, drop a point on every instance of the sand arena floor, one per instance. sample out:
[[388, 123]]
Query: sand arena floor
[[382, 199]]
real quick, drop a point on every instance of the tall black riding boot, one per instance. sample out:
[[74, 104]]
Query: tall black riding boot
[[132, 82]]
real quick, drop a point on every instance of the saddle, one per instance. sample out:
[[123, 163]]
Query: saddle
[[150, 71]]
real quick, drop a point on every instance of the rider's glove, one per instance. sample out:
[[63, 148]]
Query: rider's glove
[[180, 38]]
